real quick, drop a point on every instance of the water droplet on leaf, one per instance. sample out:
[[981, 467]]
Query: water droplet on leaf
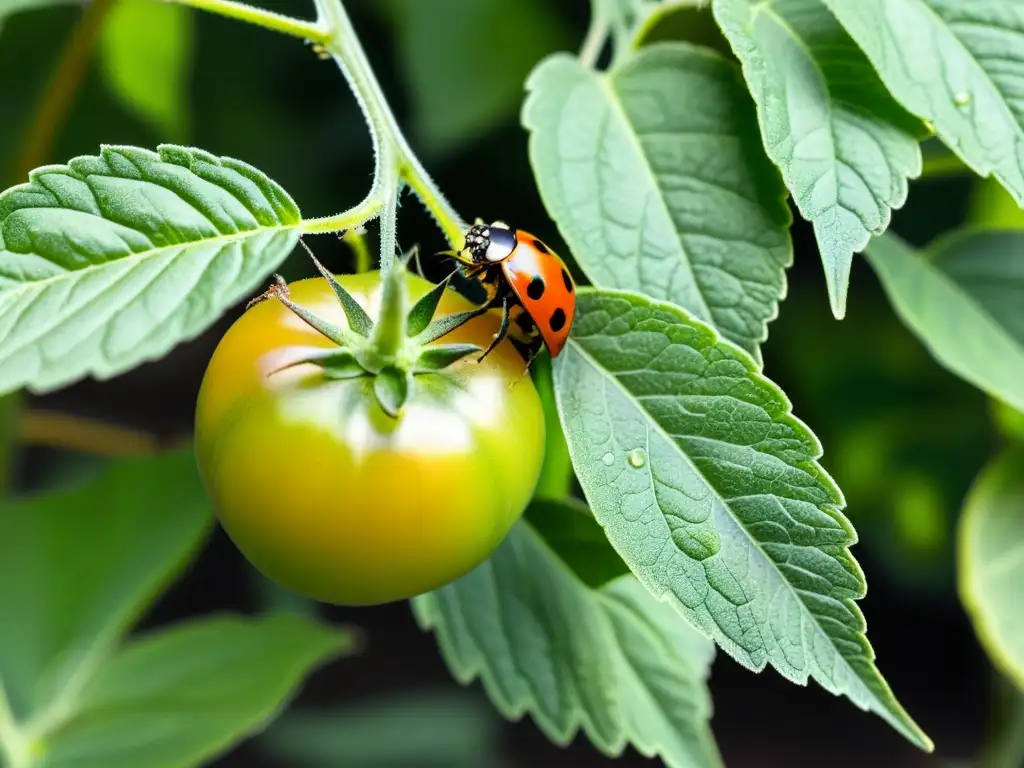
[[608, 459], [637, 458]]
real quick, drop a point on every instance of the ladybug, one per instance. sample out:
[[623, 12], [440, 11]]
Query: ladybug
[[527, 279]]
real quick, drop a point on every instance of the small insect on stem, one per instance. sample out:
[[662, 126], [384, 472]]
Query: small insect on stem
[[279, 290]]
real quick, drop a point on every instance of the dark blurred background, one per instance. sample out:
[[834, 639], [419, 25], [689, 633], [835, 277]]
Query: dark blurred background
[[902, 437]]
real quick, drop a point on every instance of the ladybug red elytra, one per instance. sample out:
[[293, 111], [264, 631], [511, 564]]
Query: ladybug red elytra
[[521, 273]]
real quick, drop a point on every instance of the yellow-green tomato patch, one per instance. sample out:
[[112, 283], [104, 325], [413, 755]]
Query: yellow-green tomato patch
[[329, 496]]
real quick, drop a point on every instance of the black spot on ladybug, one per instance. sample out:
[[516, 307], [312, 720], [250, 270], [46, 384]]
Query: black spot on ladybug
[[536, 288], [568, 281], [558, 320], [541, 247]]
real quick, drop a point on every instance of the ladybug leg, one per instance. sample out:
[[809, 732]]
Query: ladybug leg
[[506, 309], [534, 351]]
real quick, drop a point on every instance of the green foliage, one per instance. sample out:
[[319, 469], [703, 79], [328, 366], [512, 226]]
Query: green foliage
[[465, 62], [991, 560], [846, 149], [629, 165], [111, 261], [711, 491], [667, 175], [79, 567], [146, 53], [208, 684], [972, 98], [610, 660], [439, 729], [963, 298]]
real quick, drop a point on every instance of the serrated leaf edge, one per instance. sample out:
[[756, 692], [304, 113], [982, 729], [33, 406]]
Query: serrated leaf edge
[[428, 618], [897, 716]]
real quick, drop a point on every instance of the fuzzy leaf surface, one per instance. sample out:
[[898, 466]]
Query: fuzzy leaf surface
[[610, 661], [657, 179], [845, 148], [112, 260], [958, 65], [711, 491]]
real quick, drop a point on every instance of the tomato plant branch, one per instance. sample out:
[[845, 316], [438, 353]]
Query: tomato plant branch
[[307, 30], [61, 88], [597, 34], [395, 162]]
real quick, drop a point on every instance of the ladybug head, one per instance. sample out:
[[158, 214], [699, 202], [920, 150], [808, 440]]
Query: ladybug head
[[490, 243]]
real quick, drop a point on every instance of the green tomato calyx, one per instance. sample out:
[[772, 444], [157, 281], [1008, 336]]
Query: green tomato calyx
[[395, 348]]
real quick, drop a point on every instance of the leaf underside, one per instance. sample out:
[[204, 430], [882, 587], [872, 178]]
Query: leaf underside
[[711, 491], [111, 261], [118, 543], [963, 299], [221, 679], [959, 65], [844, 146], [611, 661], [657, 179], [991, 560]]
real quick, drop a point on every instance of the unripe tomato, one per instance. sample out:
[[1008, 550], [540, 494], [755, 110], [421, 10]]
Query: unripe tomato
[[329, 496]]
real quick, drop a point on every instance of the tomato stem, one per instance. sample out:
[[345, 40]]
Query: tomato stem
[[388, 337]]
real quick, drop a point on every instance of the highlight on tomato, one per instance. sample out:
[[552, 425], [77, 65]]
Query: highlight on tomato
[[357, 451]]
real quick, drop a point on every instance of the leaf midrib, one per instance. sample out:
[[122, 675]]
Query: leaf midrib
[[652, 424], [70, 274], [766, 8], [1003, 105], [618, 109], [970, 54]]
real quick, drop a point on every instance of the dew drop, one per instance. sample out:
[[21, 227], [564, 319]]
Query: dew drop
[[962, 98], [637, 459], [608, 459]]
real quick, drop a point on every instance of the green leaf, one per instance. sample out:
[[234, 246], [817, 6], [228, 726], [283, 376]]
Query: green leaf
[[192, 691], [962, 297], [958, 65], [445, 727], [145, 52], [111, 261], [990, 561], [465, 65], [845, 147], [710, 490], [80, 566], [613, 662], [658, 181]]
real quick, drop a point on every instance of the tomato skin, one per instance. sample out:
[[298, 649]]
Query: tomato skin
[[331, 498]]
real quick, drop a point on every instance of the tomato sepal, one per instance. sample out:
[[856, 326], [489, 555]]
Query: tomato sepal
[[394, 349], [439, 357]]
